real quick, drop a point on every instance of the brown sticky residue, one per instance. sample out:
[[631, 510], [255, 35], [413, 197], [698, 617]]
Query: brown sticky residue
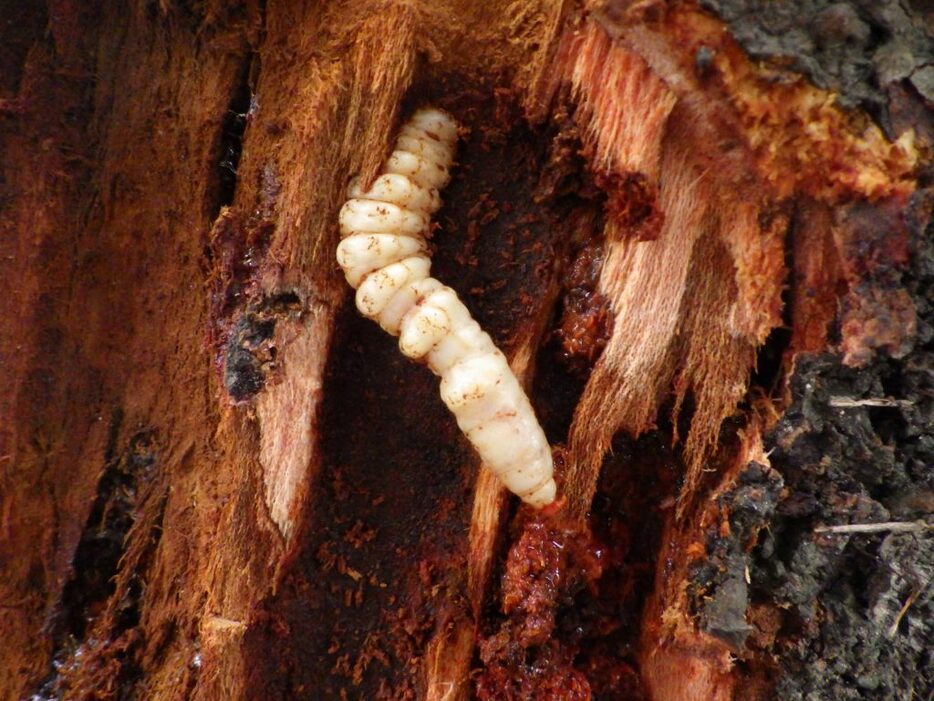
[[572, 594], [550, 561], [552, 677], [585, 318], [236, 251], [537, 573]]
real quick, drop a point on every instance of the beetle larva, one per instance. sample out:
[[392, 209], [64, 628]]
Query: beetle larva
[[384, 255]]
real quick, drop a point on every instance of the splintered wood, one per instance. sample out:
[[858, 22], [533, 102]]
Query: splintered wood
[[730, 151], [343, 114], [623, 106], [692, 306]]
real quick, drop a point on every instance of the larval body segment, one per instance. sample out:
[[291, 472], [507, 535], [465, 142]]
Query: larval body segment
[[383, 253]]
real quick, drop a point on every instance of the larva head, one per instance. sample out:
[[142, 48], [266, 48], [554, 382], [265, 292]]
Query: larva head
[[437, 123]]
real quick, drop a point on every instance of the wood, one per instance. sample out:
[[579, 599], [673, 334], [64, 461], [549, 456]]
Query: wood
[[218, 482]]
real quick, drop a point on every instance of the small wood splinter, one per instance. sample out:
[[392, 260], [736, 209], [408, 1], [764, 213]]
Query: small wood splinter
[[384, 256]]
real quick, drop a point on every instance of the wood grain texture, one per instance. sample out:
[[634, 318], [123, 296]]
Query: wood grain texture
[[217, 482]]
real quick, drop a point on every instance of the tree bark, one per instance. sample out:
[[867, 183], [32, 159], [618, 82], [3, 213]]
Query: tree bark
[[701, 232]]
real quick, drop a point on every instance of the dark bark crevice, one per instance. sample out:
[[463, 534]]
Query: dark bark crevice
[[875, 55]]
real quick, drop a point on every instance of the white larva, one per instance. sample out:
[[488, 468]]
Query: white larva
[[384, 256]]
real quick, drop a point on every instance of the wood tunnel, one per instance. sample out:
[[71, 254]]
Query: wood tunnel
[[700, 231]]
